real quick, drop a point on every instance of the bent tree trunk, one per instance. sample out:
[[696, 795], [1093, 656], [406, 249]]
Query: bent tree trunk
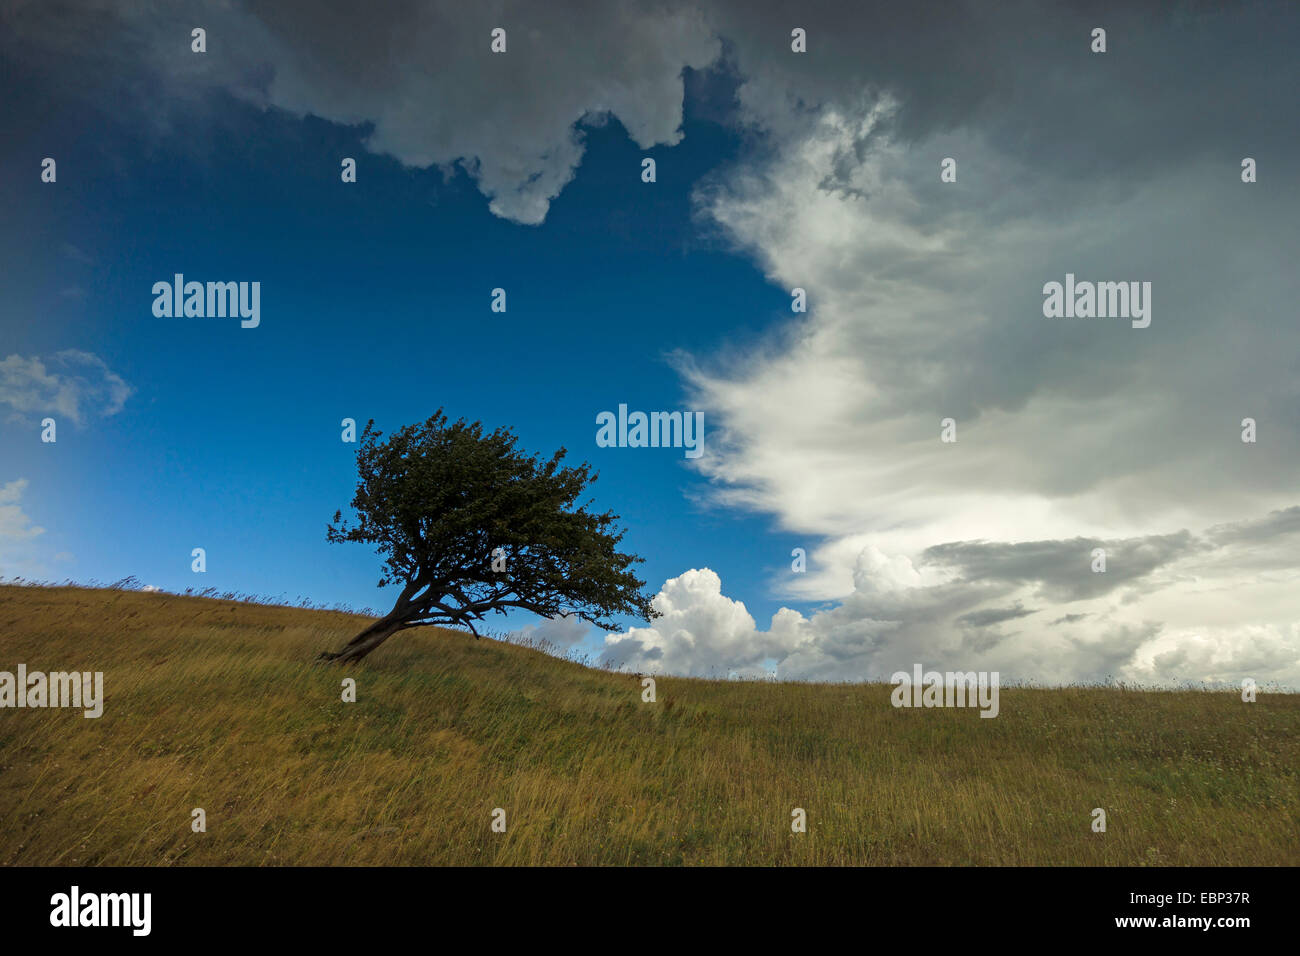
[[366, 641]]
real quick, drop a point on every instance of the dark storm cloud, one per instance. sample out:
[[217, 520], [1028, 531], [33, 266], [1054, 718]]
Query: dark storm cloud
[[420, 75], [1177, 80], [1069, 619], [1062, 570], [1277, 524], [996, 615]]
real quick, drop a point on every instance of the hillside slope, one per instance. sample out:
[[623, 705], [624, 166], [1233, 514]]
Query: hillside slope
[[218, 705]]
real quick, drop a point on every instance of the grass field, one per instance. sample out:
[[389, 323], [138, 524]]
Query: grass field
[[217, 704]]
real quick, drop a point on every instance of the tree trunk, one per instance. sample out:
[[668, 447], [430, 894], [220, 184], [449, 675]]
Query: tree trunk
[[366, 641]]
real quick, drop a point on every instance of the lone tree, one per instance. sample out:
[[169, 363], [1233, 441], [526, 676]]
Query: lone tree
[[467, 524]]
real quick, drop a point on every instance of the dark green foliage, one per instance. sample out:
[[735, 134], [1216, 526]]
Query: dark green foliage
[[439, 499]]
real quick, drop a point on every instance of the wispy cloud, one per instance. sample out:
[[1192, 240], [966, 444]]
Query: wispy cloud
[[23, 551], [15, 525], [71, 384]]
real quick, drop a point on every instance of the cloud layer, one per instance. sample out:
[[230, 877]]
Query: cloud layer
[[421, 76], [926, 304], [1165, 610]]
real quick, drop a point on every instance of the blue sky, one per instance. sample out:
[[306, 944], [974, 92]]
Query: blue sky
[[1165, 157], [375, 304]]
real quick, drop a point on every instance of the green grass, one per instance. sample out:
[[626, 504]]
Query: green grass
[[218, 704]]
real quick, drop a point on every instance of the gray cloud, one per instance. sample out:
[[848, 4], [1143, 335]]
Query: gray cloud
[[1069, 619], [1278, 524], [420, 75], [996, 615], [1062, 570]]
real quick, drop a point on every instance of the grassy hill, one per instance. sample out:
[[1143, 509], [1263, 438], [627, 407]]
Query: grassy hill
[[217, 704]]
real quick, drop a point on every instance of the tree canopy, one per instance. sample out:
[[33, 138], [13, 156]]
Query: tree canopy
[[467, 524]]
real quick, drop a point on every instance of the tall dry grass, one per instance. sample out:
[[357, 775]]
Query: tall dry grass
[[218, 704]]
